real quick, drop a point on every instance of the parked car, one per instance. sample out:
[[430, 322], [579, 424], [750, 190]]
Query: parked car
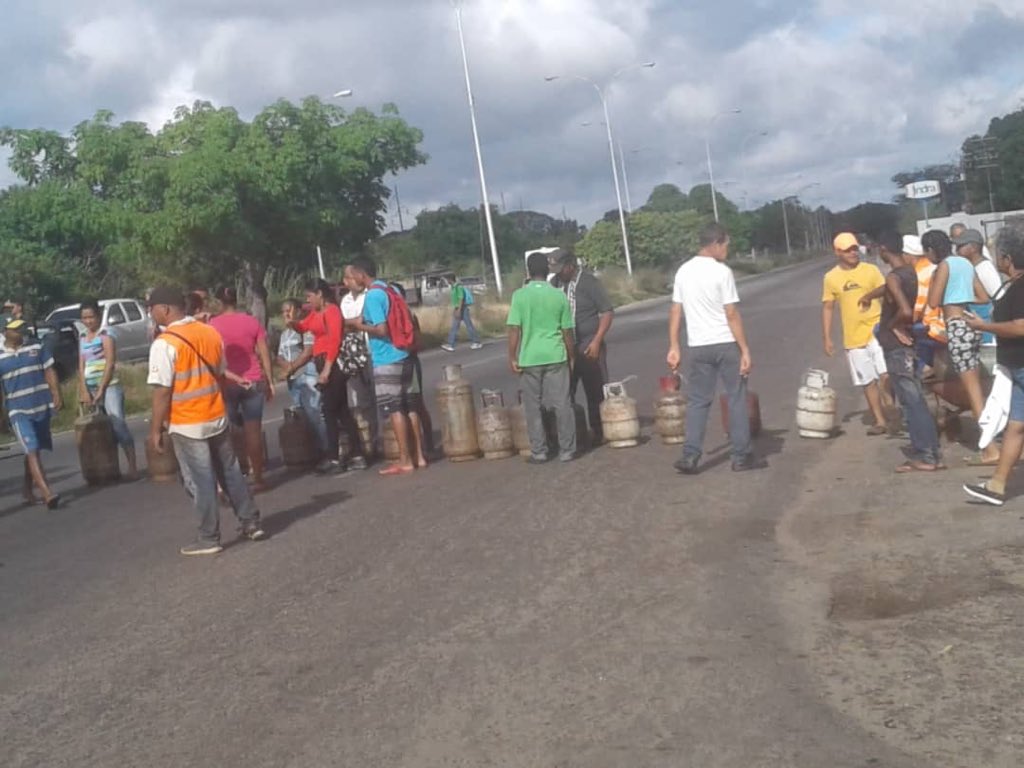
[[125, 319], [62, 344]]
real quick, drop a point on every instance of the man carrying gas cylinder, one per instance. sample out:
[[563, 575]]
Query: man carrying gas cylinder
[[186, 371]]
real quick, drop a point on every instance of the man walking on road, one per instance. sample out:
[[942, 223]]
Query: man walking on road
[[462, 300], [849, 284], [592, 313], [1008, 326], [895, 335], [705, 294], [31, 393], [541, 350], [186, 371]]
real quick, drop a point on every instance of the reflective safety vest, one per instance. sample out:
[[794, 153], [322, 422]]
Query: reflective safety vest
[[931, 318], [196, 397]]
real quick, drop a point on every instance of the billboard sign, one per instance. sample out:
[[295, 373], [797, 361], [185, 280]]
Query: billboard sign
[[922, 190]]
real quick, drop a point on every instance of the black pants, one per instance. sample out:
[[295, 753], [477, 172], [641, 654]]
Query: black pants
[[338, 417], [594, 375]]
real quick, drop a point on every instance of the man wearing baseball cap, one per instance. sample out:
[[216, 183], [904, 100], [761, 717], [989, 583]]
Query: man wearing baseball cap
[[31, 393], [850, 281]]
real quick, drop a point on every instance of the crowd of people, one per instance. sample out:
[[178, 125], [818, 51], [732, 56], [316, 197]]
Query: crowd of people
[[939, 322]]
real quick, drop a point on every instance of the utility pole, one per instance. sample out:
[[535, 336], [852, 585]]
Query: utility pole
[[398, 202]]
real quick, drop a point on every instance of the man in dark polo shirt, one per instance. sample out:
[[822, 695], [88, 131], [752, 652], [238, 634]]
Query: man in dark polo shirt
[[592, 311]]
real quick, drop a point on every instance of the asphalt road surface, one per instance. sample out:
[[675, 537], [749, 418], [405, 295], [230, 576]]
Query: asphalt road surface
[[603, 613]]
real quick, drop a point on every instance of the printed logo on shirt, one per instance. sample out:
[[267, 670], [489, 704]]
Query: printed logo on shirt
[[851, 285]]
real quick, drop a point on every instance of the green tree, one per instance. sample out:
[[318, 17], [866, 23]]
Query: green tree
[[658, 240], [666, 198], [700, 201]]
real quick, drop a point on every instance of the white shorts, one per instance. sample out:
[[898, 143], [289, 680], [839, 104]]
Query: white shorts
[[867, 364]]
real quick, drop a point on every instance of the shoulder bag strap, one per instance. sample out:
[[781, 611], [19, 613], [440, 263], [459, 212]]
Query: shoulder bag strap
[[213, 371]]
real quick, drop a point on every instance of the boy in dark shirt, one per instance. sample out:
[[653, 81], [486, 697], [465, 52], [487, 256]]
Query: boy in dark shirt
[[896, 338]]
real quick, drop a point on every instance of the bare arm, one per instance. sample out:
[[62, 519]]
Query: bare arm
[[827, 312], [1011, 329], [980, 294], [732, 316], [83, 391], [161, 412], [110, 357], [937, 287], [263, 352], [604, 324], [569, 339], [870, 296], [675, 320], [54, 384], [514, 335]]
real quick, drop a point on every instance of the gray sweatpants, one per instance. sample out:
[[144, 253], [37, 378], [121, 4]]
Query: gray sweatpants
[[547, 386]]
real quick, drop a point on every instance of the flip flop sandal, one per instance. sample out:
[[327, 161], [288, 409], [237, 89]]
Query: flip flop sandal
[[977, 461], [394, 469], [914, 466], [877, 430], [53, 502]]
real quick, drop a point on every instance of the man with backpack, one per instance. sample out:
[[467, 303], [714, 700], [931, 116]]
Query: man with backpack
[[462, 300], [388, 323]]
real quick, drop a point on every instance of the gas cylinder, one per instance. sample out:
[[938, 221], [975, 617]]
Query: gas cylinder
[[816, 406], [298, 445], [753, 412], [670, 411], [162, 467], [494, 426], [458, 416], [618, 416], [97, 449], [389, 442], [520, 434]]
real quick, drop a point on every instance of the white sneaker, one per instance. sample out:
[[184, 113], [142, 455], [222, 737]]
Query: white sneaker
[[447, 347], [476, 345]]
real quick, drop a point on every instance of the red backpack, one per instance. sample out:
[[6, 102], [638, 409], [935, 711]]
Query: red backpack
[[401, 328]]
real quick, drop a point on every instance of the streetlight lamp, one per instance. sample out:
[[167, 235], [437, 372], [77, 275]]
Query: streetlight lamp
[[342, 94], [785, 216], [707, 150], [603, 96], [457, 5]]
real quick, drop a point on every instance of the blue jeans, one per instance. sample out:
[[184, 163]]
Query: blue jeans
[[458, 318], [204, 464], [113, 406], [706, 366], [306, 396], [924, 346], [924, 437]]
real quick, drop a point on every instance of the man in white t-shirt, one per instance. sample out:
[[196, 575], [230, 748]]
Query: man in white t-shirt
[[705, 293]]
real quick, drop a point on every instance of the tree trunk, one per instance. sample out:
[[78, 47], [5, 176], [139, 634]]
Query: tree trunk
[[253, 276]]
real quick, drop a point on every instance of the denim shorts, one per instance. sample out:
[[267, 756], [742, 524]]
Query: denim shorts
[[1017, 398], [33, 432], [244, 405]]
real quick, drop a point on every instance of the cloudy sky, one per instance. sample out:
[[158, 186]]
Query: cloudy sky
[[840, 92]]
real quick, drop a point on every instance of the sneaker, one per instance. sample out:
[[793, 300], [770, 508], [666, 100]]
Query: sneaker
[[537, 460], [253, 531], [687, 465], [201, 548], [447, 347], [747, 463], [565, 458], [982, 493], [476, 345], [356, 464], [329, 467]]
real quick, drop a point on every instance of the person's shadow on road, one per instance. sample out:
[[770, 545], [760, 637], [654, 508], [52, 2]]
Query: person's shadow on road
[[281, 521], [769, 442]]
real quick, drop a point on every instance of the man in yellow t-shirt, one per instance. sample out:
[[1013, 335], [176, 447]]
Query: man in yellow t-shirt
[[846, 284]]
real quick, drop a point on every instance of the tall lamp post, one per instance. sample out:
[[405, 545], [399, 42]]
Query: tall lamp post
[[785, 216], [603, 96], [707, 150], [457, 5]]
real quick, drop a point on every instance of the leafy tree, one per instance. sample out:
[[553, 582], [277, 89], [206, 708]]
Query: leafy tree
[[700, 201], [656, 240], [666, 198], [948, 176]]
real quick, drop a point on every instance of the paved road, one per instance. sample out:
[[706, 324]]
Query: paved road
[[604, 613]]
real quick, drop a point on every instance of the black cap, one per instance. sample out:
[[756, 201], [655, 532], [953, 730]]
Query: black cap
[[968, 237], [164, 294]]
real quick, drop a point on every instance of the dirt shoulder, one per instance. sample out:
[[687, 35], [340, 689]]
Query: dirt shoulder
[[914, 628]]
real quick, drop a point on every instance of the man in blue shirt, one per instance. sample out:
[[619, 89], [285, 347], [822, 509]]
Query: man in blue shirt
[[395, 382], [30, 393]]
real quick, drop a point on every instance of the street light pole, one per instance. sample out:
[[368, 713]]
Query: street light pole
[[479, 155], [611, 149], [625, 179], [707, 150]]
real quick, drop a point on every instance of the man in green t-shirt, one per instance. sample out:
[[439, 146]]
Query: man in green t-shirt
[[541, 351], [462, 300]]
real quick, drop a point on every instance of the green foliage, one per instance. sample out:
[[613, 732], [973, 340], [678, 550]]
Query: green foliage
[[700, 201], [1007, 160], [656, 240], [210, 198], [666, 198]]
